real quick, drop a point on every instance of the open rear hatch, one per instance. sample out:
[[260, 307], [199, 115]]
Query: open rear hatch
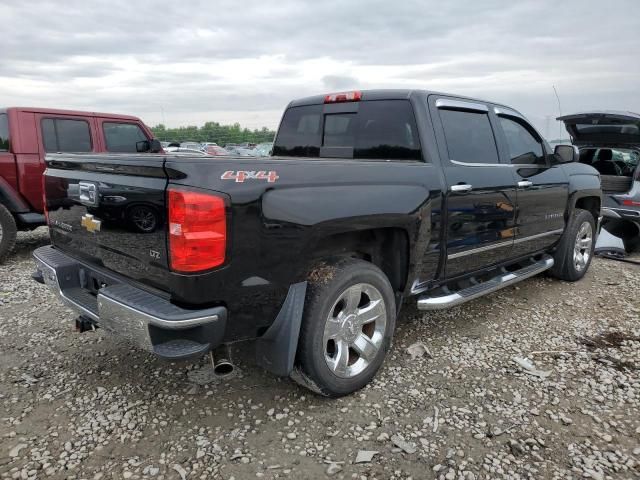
[[109, 211], [610, 142], [603, 128]]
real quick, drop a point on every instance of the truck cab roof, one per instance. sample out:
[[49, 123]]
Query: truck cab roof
[[392, 94], [79, 113]]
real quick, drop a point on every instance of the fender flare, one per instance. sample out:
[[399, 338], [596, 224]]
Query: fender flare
[[12, 199], [582, 184]]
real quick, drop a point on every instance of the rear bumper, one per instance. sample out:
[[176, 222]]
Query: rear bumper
[[147, 320], [627, 213]]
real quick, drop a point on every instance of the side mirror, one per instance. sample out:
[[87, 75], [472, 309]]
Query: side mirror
[[566, 153], [155, 146], [151, 146], [143, 146]]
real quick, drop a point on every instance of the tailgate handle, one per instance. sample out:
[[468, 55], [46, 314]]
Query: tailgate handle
[[88, 193]]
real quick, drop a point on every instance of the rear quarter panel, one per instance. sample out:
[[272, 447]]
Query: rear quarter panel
[[276, 226]]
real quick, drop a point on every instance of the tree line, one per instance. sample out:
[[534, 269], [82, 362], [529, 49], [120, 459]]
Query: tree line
[[213, 132]]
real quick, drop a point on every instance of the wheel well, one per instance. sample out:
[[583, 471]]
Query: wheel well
[[591, 204], [387, 248]]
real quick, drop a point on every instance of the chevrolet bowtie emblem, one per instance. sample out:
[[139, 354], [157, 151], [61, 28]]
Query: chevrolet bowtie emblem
[[91, 224]]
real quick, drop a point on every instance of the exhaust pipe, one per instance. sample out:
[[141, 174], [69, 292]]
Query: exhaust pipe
[[221, 360]]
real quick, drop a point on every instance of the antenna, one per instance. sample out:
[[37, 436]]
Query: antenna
[[559, 109]]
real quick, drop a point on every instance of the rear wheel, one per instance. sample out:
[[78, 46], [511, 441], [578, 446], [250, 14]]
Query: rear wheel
[[575, 250], [8, 232], [347, 327]]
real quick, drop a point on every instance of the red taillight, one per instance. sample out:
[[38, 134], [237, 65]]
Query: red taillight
[[631, 203], [197, 230], [354, 96], [44, 199]]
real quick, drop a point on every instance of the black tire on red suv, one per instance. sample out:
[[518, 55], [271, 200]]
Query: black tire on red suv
[[8, 232], [346, 331]]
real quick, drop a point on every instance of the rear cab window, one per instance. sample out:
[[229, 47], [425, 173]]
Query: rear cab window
[[66, 135], [4, 133], [376, 129], [122, 137]]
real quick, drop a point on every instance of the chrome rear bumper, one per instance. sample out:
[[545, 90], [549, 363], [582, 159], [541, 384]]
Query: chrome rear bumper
[[148, 320]]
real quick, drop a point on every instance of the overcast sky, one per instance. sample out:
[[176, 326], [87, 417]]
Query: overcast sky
[[186, 62]]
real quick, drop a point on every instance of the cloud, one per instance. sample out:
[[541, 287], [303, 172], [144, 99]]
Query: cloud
[[185, 63]]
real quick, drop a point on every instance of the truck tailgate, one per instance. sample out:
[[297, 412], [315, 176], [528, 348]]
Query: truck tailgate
[[109, 211]]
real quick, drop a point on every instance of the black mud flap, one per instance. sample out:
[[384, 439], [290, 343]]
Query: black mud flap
[[276, 349]]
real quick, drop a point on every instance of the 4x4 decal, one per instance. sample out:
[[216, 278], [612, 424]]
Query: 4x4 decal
[[241, 175]]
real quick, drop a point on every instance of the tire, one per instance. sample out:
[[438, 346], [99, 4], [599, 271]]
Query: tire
[[572, 260], [347, 300], [8, 232]]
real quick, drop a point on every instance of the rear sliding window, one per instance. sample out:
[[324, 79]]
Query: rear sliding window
[[62, 135], [4, 133], [381, 129]]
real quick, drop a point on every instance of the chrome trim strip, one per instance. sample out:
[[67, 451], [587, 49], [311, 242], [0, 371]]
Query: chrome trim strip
[[538, 235], [507, 111], [508, 165], [459, 104], [496, 283], [503, 244], [470, 164], [479, 249]]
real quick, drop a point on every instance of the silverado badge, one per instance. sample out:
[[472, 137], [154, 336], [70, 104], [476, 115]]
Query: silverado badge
[[91, 224]]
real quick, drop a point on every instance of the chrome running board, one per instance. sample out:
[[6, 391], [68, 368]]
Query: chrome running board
[[504, 279]]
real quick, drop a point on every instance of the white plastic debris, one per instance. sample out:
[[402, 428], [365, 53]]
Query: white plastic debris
[[608, 242], [417, 350], [365, 456], [15, 451], [181, 471], [402, 444], [528, 367]]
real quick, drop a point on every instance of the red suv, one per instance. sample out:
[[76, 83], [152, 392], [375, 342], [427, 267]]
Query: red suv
[[27, 134]]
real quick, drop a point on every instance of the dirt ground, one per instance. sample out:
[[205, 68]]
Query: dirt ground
[[88, 406]]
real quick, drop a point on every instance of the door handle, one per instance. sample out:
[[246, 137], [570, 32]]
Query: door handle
[[461, 188], [524, 184]]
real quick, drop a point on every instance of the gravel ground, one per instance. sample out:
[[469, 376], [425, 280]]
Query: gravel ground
[[89, 406]]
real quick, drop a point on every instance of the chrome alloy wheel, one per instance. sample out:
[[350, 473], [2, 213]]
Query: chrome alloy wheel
[[354, 330], [582, 248]]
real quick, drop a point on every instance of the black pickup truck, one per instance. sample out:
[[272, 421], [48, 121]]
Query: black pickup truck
[[370, 199]]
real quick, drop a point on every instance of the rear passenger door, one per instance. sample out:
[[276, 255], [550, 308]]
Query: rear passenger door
[[481, 194], [542, 188]]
